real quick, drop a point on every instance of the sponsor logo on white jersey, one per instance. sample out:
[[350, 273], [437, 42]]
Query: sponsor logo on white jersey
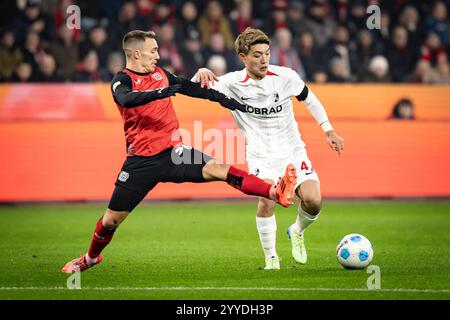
[[264, 111]]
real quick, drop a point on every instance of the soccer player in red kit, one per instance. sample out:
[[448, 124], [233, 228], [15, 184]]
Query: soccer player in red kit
[[155, 152]]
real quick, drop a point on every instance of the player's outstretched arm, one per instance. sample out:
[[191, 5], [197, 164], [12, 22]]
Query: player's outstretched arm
[[126, 97], [317, 110], [195, 89]]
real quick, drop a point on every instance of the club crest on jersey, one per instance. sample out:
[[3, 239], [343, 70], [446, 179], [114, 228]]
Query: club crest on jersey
[[123, 176], [157, 76], [138, 82], [276, 97]]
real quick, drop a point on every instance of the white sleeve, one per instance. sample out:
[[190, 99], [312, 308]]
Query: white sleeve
[[295, 84], [318, 112], [221, 85]]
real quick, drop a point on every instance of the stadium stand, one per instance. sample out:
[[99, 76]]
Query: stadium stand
[[56, 104], [413, 37]]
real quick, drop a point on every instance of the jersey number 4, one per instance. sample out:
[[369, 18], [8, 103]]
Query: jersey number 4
[[304, 166]]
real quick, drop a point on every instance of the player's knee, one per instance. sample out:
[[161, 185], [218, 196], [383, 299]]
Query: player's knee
[[214, 171], [313, 202], [265, 208], [112, 219]]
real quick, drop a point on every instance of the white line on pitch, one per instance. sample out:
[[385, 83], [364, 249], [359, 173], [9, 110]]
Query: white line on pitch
[[225, 289]]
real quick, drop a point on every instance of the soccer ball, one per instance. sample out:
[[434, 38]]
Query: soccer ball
[[354, 251]]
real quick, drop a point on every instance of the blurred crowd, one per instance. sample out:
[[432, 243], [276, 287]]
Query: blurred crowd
[[323, 40]]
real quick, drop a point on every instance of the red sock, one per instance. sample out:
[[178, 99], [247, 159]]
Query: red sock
[[248, 183], [100, 240]]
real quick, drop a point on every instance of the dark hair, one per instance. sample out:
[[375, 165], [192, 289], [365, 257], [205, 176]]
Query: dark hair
[[396, 110]]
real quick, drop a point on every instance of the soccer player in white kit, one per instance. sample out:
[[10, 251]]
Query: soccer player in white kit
[[272, 137]]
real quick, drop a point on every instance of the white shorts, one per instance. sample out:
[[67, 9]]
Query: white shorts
[[275, 169]]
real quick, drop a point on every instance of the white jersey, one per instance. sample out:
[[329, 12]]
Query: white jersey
[[269, 125]]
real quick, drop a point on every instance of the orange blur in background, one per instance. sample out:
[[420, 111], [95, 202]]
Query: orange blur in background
[[66, 142]]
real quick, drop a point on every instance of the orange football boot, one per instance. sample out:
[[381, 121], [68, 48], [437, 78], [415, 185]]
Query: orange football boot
[[285, 187], [79, 264]]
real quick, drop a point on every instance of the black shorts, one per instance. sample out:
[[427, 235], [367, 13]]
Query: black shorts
[[141, 174]]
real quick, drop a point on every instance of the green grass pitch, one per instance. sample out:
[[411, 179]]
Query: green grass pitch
[[212, 251]]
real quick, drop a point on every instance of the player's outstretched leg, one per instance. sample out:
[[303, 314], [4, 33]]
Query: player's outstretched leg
[[308, 212], [282, 193], [104, 231]]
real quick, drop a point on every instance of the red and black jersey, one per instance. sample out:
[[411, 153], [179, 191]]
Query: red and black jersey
[[150, 122], [150, 125]]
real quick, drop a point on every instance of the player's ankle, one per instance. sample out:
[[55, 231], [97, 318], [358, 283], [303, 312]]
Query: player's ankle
[[273, 193], [90, 261], [296, 229]]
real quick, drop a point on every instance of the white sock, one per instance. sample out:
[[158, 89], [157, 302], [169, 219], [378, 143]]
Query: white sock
[[304, 219], [90, 261], [267, 229]]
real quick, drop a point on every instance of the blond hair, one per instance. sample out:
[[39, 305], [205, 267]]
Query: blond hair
[[249, 38]]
